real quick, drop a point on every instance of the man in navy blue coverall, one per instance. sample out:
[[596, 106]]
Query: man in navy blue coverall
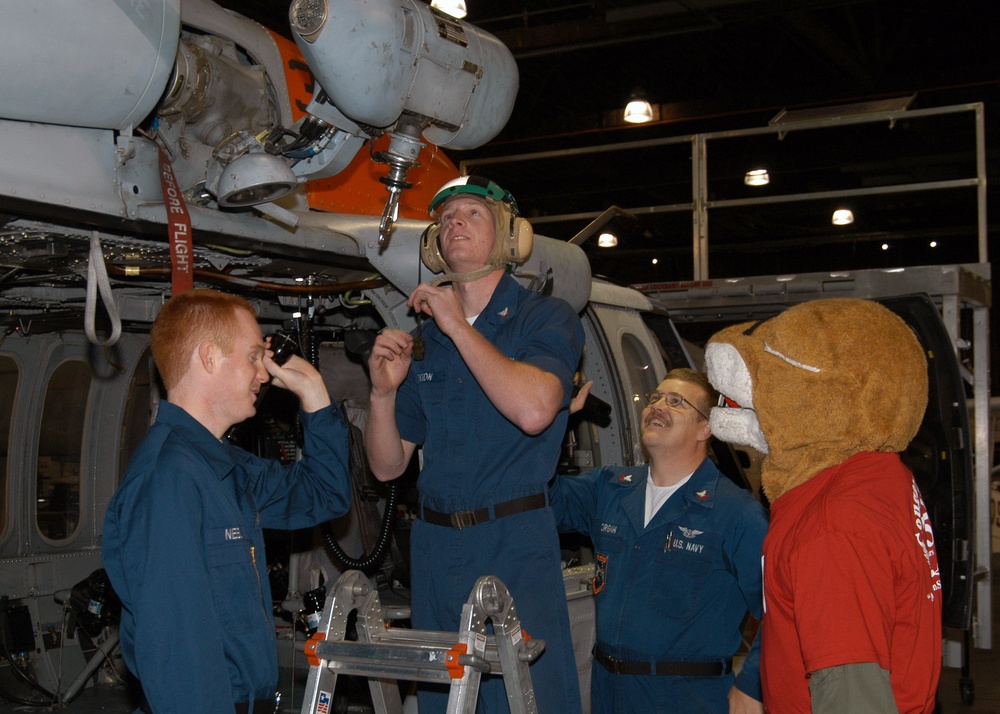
[[182, 541], [488, 403], [677, 549]]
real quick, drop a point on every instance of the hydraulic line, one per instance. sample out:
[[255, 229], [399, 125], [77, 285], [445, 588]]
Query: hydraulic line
[[277, 288]]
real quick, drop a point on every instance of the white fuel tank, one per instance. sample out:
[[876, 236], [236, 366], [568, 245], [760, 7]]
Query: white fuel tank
[[102, 63]]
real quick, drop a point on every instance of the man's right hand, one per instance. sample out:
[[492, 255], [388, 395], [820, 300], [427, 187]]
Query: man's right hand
[[389, 361]]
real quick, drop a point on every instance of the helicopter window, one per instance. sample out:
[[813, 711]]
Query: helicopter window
[[641, 372], [60, 448], [9, 375]]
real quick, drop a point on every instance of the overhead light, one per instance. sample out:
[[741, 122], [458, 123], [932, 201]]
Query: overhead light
[[885, 246], [607, 240], [455, 8], [843, 217], [933, 244], [655, 261], [757, 177], [638, 110]]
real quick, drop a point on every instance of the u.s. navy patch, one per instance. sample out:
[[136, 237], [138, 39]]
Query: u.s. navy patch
[[601, 574]]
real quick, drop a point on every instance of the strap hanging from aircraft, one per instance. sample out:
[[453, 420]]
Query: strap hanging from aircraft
[[97, 279], [179, 229]]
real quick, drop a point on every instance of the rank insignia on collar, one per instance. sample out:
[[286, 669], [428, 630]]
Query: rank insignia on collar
[[504, 312], [625, 478], [701, 495]]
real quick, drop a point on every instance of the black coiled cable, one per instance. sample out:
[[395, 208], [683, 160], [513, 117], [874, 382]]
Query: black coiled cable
[[368, 562]]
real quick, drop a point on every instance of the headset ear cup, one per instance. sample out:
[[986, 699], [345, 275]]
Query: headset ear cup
[[522, 238], [430, 249]]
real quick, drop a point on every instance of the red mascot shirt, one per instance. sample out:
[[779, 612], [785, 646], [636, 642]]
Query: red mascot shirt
[[851, 575]]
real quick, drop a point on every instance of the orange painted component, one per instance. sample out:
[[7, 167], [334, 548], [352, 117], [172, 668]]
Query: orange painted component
[[311, 644], [456, 670], [357, 188], [300, 79]]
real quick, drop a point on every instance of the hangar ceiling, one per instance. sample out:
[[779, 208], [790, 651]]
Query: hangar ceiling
[[727, 65]]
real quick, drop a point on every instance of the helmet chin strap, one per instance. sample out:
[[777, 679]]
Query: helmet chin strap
[[464, 277]]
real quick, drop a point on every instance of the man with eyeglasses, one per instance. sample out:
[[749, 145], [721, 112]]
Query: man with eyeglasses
[[677, 550]]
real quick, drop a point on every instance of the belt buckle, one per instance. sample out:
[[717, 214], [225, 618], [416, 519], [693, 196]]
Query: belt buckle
[[462, 519], [614, 665]]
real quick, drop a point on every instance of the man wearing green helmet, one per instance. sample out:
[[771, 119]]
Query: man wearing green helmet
[[487, 400]]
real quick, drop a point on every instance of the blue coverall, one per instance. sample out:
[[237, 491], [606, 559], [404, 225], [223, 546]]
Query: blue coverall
[[474, 457], [184, 550], [676, 590]]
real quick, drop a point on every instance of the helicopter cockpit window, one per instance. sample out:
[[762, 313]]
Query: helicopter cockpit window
[[9, 375], [641, 374], [60, 448]]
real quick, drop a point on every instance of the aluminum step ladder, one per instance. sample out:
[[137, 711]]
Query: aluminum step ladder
[[384, 654]]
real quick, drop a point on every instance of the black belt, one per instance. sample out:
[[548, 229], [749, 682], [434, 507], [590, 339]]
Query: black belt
[[464, 519], [676, 669], [260, 706]]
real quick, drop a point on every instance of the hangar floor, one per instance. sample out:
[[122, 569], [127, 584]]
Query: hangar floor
[[984, 668]]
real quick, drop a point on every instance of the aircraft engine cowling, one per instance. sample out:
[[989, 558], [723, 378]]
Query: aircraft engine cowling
[[99, 64], [379, 59]]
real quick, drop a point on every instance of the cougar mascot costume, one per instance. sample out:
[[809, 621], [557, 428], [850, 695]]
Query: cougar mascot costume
[[829, 391]]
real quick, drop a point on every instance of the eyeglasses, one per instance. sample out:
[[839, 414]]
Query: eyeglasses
[[673, 400]]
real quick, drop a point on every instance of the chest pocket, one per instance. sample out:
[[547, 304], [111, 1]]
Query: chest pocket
[[227, 553], [682, 565], [233, 578], [431, 388]]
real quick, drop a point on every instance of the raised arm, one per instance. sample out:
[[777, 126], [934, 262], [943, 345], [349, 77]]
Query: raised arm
[[388, 453], [302, 379], [528, 396]]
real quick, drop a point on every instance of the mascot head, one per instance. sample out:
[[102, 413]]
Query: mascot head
[[816, 384]]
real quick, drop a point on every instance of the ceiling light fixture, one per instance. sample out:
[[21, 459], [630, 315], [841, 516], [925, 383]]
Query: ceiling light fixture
[[757, 177], [638, 110], [607, 240], [843, 217], [455, 8]]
